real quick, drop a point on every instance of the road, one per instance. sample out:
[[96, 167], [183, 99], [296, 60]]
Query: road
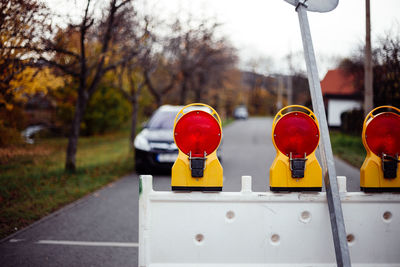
[[102, 228]]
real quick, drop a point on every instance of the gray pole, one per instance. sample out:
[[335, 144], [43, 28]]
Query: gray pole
[[328, 164], [368, 74]]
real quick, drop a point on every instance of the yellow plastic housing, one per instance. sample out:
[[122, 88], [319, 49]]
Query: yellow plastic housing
[[371, 172], [280, 176], [181, 177]]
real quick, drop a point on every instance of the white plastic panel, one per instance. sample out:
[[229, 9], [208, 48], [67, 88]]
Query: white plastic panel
[[263, 228]]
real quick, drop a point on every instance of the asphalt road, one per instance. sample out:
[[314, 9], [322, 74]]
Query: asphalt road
[[102, 228]]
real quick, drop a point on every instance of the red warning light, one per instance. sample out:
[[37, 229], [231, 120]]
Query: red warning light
[[197, 132], [296, 133], [383, 134]]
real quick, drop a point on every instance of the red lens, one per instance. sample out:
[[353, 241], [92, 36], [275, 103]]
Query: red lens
[[383, 134], [197, 132], [296, 133]]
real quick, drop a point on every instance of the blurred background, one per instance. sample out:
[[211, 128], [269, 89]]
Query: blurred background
[[79, 79]]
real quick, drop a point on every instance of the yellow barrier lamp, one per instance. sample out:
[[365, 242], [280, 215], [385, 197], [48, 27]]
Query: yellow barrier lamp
[[197, 134], [381, 139], [295, 134]]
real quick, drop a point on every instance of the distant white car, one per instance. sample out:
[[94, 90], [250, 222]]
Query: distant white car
[[241, 113]]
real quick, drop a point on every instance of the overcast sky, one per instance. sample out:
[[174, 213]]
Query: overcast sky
[[270, 28], [263, 29]]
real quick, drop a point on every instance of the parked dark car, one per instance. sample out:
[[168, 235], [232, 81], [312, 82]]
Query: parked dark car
[[155, 149]]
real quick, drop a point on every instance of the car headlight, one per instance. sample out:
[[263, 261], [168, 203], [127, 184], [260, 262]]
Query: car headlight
[[141, 143], [173, 146]]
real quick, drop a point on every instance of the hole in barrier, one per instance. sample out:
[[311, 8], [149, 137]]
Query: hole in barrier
[[305, 216], [275, 238], [230, 215], [387, 216], [199, 238], [350, 238]]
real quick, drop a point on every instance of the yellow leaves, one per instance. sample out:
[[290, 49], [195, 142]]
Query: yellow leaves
[[32, 81], [7, 105]]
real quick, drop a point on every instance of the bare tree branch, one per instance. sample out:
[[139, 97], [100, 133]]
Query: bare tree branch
[[62, 67]]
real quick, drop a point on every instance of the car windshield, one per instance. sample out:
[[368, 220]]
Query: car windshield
[[241, 110], [162, 120]]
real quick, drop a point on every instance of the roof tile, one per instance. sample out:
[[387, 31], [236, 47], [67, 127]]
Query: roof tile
[[338, 82]]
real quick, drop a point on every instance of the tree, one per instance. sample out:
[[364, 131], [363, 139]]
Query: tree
[[218, 60], [33, 80], [262, 89], [106, 110], [136, 73], [386, 70], [86, 52], [201, 58], [21, 24], [226, 95], [159, 75], [131, 88], [189, 47]]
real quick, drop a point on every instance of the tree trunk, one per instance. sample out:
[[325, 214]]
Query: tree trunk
[[152, 89], [86, 90], [70, 163], [216, 105], [183, 92], [198, 95], [159, 100], [134, 118], [199, 91]]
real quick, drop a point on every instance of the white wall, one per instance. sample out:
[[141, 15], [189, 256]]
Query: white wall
[[337, 106]]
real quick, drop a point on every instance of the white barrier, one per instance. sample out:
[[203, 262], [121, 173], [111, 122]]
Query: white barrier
[[263, 228]]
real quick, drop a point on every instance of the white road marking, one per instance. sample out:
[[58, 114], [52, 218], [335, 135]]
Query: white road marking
[[88, 243], [16, 240]]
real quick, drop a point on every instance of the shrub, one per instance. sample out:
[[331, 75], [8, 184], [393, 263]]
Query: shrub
[[107, 111], [352, 122], [11, 123]]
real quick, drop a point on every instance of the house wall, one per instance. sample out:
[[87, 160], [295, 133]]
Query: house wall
[[337, 106]]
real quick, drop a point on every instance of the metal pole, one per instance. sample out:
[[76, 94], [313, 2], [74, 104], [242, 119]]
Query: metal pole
[[368, 73], [328, 164]]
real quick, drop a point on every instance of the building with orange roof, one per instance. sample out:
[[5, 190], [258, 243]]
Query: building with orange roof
[[340, 95]]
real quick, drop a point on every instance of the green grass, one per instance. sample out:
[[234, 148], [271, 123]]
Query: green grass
[[349, 148], [227, 121], [33, 182]]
